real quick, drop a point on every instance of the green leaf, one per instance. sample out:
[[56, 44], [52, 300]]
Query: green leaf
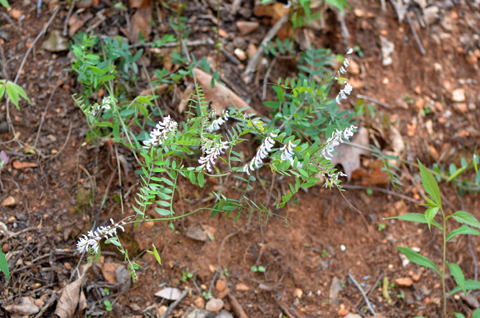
[[5, 3], [157, 256], [458, 275], [417, 258], [163, 212], [469, 285], [430, 214], [456, 173], [466, 218], [476, 313], [430, 184], [459, 315], [12, 94], [414, 217], [201, 180], [462, 230], [4, 265]]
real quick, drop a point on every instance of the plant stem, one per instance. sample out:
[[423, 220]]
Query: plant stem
[[444, 230]]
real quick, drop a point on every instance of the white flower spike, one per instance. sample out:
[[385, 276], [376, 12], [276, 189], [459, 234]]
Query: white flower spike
[[215, 125], [336, 139], [160, 133], [211, 155], [261, 154]]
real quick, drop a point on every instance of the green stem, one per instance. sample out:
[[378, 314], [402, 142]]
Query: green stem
[[444, 230]]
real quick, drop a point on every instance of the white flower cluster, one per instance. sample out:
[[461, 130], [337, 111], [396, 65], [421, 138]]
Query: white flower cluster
[[347, 90], [161, 132], [336, 139], [211, 155], [261, 154], [215, 125], [107, 103], [288, 152], [91, 241]]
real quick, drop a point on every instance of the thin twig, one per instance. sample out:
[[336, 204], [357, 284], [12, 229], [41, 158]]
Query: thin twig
[[267, 75], [360, 187], [221, 246], [363, 293], [172, 306], [415, 35], [291, 116], [252, 64], [64, 144], [355, 209], [65, 26], [372, 289], [16, 234], [376, 101]]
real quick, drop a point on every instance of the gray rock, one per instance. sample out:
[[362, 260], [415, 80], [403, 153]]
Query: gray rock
[[224, 314], [198, 313]]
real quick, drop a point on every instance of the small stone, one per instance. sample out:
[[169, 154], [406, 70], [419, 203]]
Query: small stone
[[242, 287], [246, 27], [458, 95], [354, 69], [342, 312], [240, 54], [429, 127], [221, 285], [416, 277], [5, 247], [353, 316], [460, 107], [418, 90], [298, 292], [162, 310], [251, 50], [39, 302], [405, 282], [471, 58], [359, 13], [68, 266], [16, 14], [199, 302], [224, 314], [223, 33], [239, 42], [439, 106], [472, 106], [10, 201], [420, 103], [442, 121], [214, 305]]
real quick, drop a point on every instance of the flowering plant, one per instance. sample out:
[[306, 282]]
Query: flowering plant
[[204, 146]]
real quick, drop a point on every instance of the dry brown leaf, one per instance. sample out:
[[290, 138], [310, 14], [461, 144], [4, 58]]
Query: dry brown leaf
[[23, 165], [335, 288], [169, 293], [349, 156], [185, 98], [108, 271], [71, 294], [374, 175], [26, 307], [140, 22], [220, 96], [75, 22], [160, 89]]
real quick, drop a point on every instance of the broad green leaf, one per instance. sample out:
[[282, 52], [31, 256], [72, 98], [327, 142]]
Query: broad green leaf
[[476, 313], [417, 258], [462, 230], [469, 285], [200, 180], [459, 315], [430, 184], [430, 215], [12, 94], [414, 217], [466, 218], [458, 275], [4, 265], [5, 3]]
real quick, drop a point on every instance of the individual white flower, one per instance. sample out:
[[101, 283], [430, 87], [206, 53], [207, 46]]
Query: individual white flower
[[161, 132], [211, 155], [261, 154], [350, 51], [215, 125], [347, 90], [336, 139]]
